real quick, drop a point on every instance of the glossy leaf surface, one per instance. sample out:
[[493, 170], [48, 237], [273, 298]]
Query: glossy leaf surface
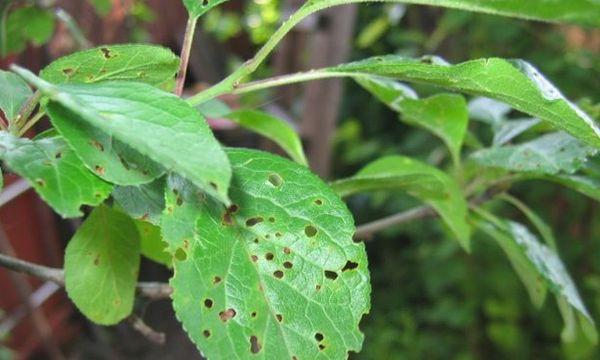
[[154, 123], [514, 82]]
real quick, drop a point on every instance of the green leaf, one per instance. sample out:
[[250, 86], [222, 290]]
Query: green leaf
[[131, 62], [102, 7], [536, 264], [15, 93], [101, 266], [510, 129], [423, 181], [55, 172], [585, 185], [514, 82], [152, 245], [197, 8], [272, 128], [144, 202], [101, 152], [541, 226], [28, 24], [213, 108], [584, 12], [276, 275], [445, 115], [152, 122], [549, 154]]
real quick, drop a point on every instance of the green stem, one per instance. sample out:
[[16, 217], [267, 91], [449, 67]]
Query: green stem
[[289, 79], [74, 29], [25, 112], [186, 50], [231, 82]]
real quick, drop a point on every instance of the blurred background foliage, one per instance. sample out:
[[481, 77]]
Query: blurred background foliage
[[430, 299]]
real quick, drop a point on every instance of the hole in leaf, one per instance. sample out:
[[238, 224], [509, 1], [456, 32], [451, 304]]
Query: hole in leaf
[[278, 234], [310, 231], [350, 265], [318, 287], [253, 314], [206, 333], [269, 256], [216, 280], [40, 182], [321, 347], [287, 250], [58, 155], [319, 337], [214, 185], [278, 274], [254, 344], [255, 240], [288, 265], [179, 201], [107, 53], [253, 221], [233, 208], [319, 202], [180, 254], [279, 317], [332, 275], [204, 2], [275, 180], [68, 71], [227, 315], [208, 303]]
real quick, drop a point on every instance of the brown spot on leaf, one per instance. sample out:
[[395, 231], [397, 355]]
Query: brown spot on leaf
[[254, 258], [107, 53], [206, 333], [278, 274], [269, 256], [310, 231], [288, 265], [253, 221], [279, 317], [287, 250], [319, 202], [97, 260], [208, 303], [227, 315], [68, 71], [99, 170], [40, 182], [254, 345], [350, 265], [97, 144], [216, 280], [332, 275]]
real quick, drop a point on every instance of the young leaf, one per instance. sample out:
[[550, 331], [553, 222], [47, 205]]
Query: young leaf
[[535, 260], [549, 154], [276, 275], [144, 202], [272, 128], [585, 185], [55, 172], [101, 266], [540, 225], [14, 93], [514, 82], [425, 182], [152, 245], [445, 115], [149, 64], [197, 8], [152, 122]]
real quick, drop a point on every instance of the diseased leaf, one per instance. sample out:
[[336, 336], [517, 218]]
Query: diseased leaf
[[197, 8], [272, 128], [152, 245], [144, 202], [101, 266], [14, 92], [101, 152], [423, 181], [510, 129], [549, 154], [536, 264], [274, 276], [55, 172], [154, 123], [149, 64], [514, 82]]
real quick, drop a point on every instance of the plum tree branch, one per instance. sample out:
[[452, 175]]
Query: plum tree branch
[[151, 290]]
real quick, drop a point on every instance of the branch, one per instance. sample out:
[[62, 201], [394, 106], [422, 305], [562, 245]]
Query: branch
[[151, 290], [422, 212], [188, 40], [149, 333]]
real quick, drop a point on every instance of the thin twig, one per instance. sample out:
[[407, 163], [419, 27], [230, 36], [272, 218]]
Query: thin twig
[[186, 49], [151, 290], [149, 333]]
